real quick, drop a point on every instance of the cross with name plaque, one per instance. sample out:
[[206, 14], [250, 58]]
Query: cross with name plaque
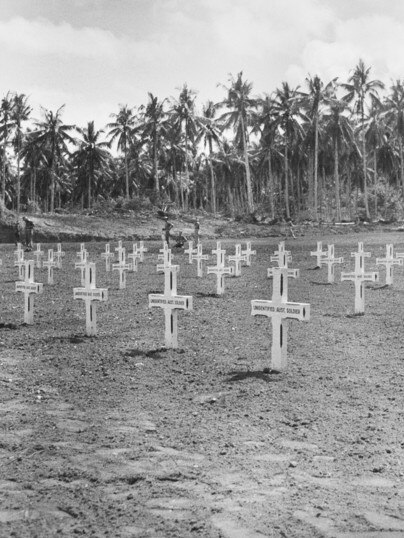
[[59, 254], [237, 258], [81, 264], [283, 262], [199, 257], [190, 251], [219, 269], [280, 310], [170, 302], [389, 261], [121, 266], [248, 253], [28, 287], [90, 293], [50, 263], [38, 254], [278, 254], [359, 277], [108, 256], [330, 260], [20, 263], [319, 253]]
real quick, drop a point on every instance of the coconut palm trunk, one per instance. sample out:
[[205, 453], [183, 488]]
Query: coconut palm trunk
[[336, 182], [250, 201]]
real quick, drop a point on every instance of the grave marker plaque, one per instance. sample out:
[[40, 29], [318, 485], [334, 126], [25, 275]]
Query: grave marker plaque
[[359, 277], [90, 293]]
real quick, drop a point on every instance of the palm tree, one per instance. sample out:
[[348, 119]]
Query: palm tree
[[20, 112], [394, 104], [121, 130], [53, 137], [240, 103], [313, 100], [91, 156], [209, 133], [375, 129], [33, 157], [288, 112], [153, 128], [360, 88], [5, 129]]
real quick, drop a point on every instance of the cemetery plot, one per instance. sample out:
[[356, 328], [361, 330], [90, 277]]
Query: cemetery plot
[[114, 434]]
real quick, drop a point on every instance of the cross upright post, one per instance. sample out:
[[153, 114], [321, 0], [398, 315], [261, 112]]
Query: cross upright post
[[167, 258], [330, 260], [359, 277], [20, 263], [283, 263], [389, 261], [319, 254], [248, 253], [59, 254], [278, 254], [121, 266], [142, 249], [90, 293], [135, 257], [220, 270], [82, 263], [108, 256], [79, 254], [237, 258], [170, 302], [280, 310], [29, 288], [199, 257], [50, 263], [38, 254], [190, 251]]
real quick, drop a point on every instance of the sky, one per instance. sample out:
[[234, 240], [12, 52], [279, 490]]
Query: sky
[[94, 55]]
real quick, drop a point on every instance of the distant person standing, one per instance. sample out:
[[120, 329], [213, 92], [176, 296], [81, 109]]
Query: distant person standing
[[29, 232], [196, 231], [180, 240], [166, 230]]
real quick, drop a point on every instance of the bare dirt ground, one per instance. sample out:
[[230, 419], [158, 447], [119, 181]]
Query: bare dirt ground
[[116, 436]]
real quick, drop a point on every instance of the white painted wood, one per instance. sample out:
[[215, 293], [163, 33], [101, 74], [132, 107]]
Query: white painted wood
[[359, 277], [237, 258], [389, 261], [199, 257], [248, 253], [50, 264], [29, 288], [319, 253], [330, 261], [38, 255], [108, 256], [219, 269], [90, 293]]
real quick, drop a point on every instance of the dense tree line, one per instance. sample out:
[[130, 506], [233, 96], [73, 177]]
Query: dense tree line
[[329, 150]]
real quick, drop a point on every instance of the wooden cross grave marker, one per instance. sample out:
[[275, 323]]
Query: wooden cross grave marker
[[219, 269], [20, 263], [142, 249], [28, 287], [50, 263], [359, 277], [330, 260], [59, 254], [283, 262], [248, 253], [79, 254], [389, 261], [170, 302], [190, 251], [319, 254], [90, 293], [135, 257], [38, 254], [121, 266], [199, 257], [16, 252], [280, 310], [108, 256], [81, 264], [167, 258], [237, 258], [278, 254]]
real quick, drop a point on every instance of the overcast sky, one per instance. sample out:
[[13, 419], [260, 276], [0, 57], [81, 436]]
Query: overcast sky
[[93, 55]]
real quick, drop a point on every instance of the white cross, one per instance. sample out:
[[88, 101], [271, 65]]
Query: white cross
[[121, 266], [199, 257], [329, 260], [167, 258], [142, 250], [237, 259], [80, 252], [29, 287], [280, 310], [135, 257], [283, 262], [170, 302], [90, 293], [20, 263], [389, 261], [50, 263], [108, 255], [220, 270], [17, 252], [59, 254], [319, 253], [248, 253], [278, 254], [82, 264], [359, 277], [38, 253], [190, 251]]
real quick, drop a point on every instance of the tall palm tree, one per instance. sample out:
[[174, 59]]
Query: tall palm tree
[[91, 156], [359, 89], [313, 101], [394, 104], [241, 104], [375, 129], [53, 137], [153, 127], [5, 130], [287, 108], [209, 133], [33, 157], [20, 113], [121, 131]]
